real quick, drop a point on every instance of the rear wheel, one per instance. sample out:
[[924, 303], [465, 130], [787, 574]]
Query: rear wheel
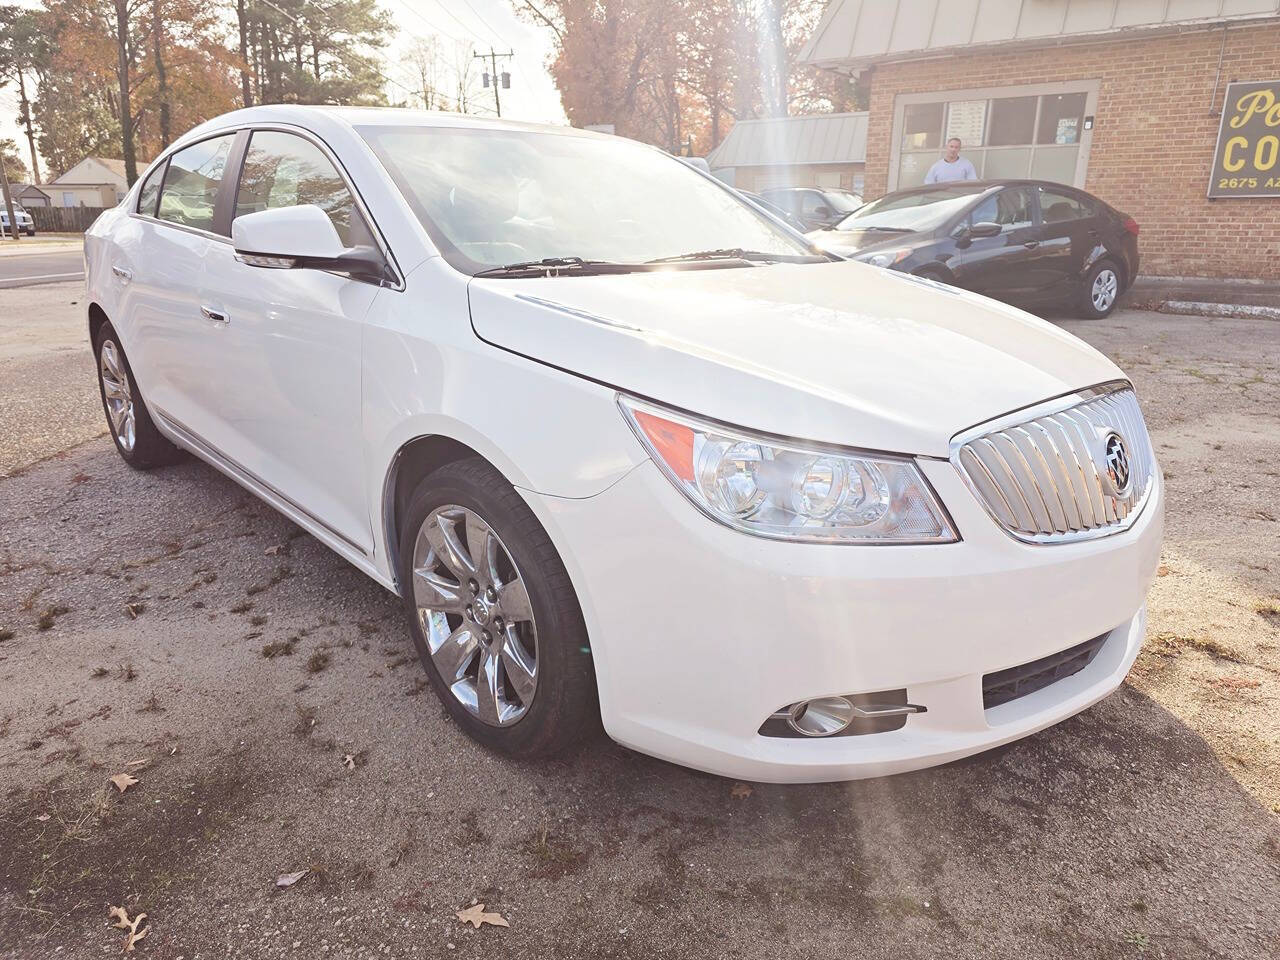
[[1101, 290], [139, 442], [494, 616]]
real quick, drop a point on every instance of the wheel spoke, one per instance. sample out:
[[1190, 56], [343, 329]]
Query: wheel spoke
[[442, 534], [454, 655], [487, 705], [437, 592], [111, 387], [520, 671], [483, 546], [513, 601]]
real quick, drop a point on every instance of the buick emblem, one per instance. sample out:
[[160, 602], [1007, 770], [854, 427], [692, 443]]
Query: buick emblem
[[1117, 457]]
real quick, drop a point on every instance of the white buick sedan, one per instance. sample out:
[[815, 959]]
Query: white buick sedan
[[628, 447]]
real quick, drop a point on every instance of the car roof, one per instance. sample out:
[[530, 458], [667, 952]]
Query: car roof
[[979, 186], [305, 115]]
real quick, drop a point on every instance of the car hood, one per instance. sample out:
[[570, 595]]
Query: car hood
[[841, 353]]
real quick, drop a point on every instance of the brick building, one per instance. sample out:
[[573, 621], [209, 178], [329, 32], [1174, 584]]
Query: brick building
[[1120, 97]]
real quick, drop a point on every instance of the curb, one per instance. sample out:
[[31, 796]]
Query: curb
[[1235, 311]]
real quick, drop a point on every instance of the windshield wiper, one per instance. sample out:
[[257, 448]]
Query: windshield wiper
[[737, 253], [557, 266], [884, 229]]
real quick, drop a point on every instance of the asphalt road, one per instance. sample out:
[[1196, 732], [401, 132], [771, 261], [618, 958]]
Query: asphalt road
[[26, 269], [265, 697]]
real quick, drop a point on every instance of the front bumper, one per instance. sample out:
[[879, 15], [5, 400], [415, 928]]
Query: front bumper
[[700, 632]]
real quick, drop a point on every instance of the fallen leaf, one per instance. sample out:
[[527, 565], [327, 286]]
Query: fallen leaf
[[349, 762], [289, 879], [124, 923], [475, 915], [272, 551], [741, 790], [123, 781], [1162, 571], [42, 817], [134, 610]]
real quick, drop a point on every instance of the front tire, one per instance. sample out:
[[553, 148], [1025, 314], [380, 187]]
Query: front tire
[[1101, 290], [494, 616], [137, 440]]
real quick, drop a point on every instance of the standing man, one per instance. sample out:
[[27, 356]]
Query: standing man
[[952, 166]]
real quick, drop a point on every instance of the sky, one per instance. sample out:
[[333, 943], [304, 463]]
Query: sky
[[482, 23]]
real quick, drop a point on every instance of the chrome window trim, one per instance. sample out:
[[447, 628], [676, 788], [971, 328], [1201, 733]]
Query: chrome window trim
[[383, 246], [1026, 415]]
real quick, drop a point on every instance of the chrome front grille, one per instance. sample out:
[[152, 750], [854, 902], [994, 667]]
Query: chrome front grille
[[1044, 474]]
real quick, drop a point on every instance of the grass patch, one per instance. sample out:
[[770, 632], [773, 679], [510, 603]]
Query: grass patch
[[49, 616], [1172, 642], [318, 661], [279, 648]]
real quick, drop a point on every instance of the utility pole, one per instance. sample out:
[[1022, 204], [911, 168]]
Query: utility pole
[[495, 77]]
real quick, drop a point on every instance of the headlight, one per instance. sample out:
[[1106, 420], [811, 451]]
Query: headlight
[[884, 258], [789, 490]]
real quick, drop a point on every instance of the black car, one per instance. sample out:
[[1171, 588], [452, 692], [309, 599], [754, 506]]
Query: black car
[[1028, 242], [815, 207], [795, 223]]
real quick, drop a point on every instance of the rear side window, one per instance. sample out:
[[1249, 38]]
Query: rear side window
[[191, 183], [285, 170], [1058, 207], [150, 191]]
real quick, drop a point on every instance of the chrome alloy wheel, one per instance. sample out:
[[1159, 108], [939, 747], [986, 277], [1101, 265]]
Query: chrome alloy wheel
[[475, 614], [115, 387], [1105, 286]]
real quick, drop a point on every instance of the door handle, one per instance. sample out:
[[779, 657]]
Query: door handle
[[1031, 244], [215, 316], [122, 273]]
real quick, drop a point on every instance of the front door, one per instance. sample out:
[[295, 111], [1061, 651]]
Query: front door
[[1001, 266], [286, 347]]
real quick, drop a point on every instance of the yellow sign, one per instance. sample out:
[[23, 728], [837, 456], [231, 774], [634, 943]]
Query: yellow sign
[[1246, 162]]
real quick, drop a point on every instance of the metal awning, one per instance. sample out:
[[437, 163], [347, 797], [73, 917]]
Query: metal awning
[[855, 33], [817, 139]]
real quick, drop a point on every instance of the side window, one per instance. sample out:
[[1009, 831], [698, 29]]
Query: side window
[[150, 191], [284, 170], [1011, 208], [985, 212], [1058, 207], [812, 201], [191, 183]]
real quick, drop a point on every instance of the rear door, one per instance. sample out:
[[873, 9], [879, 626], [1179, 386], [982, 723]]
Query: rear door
[[287, 345], [1001, 266], [158, 266], [1069, 231]]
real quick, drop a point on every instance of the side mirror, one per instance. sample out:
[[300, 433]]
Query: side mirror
[[301, 237], [985, 229]]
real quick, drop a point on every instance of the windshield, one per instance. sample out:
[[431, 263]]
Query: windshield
[[913, 212], [841, 202], [489, 198]]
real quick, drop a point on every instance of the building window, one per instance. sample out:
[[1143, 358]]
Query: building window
[[1007, 134], [68, 198]]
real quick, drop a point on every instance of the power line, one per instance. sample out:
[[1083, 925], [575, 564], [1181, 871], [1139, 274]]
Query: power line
[[475, 13]]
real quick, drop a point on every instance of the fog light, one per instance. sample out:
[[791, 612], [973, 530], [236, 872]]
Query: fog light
[[824, 717]]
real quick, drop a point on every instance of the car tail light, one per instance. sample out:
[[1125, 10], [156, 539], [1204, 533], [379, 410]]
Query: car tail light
[[1131, 225]]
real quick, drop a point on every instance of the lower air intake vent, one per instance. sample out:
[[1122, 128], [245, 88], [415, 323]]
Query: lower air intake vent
[[1005, 685]]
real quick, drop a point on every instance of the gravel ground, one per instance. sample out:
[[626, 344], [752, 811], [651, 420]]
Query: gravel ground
[[47, 374], [265, 697]]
